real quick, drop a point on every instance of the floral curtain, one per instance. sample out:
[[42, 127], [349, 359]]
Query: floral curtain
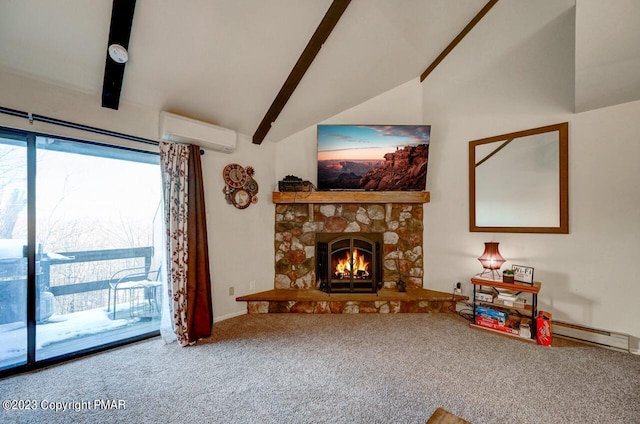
[[189, 311]]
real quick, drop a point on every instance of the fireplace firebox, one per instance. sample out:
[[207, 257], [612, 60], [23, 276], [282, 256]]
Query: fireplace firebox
[[349, 263]]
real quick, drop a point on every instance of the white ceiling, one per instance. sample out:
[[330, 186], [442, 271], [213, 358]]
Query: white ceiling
[[224, 61]]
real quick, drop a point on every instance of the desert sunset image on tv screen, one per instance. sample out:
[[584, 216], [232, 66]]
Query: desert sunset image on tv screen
[[373, 157]]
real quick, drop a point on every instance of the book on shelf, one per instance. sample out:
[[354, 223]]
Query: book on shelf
[[507, 296], [492, 319], [489, 323], [491, 312], [484, 296], [517, 303]]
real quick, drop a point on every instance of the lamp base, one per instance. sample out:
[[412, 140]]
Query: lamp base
[[490, 274]]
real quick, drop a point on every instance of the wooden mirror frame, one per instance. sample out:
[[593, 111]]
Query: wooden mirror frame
[[563, 172]]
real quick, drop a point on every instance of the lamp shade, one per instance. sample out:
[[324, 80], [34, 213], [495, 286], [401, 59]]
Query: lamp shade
[[491, 257]]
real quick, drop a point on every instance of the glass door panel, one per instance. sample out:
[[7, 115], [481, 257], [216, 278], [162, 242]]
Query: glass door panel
[[97, 274], [13, 257]]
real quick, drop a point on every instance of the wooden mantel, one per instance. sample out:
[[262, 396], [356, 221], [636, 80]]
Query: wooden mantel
[[351, 197]]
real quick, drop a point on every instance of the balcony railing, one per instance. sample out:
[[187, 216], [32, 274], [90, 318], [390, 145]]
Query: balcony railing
[[65, 295], [90, 256]]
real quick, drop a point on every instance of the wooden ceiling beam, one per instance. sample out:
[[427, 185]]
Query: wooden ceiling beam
[[119, 33], [321, 34], [459, 38]]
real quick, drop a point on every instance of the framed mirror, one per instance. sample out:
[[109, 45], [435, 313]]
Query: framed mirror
[[518, 182]]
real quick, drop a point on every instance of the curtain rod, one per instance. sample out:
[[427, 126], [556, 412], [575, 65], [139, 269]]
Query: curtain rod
[[32, 117]]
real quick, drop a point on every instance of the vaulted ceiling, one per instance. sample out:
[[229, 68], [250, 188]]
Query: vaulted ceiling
[[224, 61]]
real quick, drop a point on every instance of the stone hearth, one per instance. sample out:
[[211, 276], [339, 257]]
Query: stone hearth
[[313, 301]]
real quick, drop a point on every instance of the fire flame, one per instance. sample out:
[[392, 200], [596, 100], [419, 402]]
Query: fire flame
[[343, 268]]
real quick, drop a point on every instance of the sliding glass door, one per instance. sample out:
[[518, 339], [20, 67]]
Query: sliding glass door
[[87, 226]]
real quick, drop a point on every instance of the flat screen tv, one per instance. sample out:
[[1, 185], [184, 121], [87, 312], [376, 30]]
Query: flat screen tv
[[373, 157]]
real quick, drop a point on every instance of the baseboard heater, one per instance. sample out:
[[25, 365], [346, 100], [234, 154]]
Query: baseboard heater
[[608, 339]]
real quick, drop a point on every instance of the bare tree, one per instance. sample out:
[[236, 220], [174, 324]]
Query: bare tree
[[10, 208], [13, 187]]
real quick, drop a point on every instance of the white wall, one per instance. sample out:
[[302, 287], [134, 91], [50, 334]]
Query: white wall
[[585, 274], [240, 241], [475, 94]]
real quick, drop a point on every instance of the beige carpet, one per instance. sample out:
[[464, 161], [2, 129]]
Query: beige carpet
[[366, 368]]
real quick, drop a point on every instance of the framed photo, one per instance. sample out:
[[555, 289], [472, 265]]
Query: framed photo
[[522, 274]]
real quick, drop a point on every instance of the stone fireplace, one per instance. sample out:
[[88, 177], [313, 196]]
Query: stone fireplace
[[396, 228], [386, 230]]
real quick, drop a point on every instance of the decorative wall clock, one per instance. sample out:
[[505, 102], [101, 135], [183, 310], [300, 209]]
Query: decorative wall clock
[[234, 175], [240, 188]]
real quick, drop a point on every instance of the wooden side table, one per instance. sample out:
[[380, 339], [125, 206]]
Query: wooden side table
[[519, 288]]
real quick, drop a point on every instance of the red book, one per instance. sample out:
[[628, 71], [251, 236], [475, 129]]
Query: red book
[[489, 323]]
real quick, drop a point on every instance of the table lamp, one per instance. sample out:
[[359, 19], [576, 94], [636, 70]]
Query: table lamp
[[491, 259]]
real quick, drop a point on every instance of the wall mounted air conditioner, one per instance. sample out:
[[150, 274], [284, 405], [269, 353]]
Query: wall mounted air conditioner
[[180, 129]]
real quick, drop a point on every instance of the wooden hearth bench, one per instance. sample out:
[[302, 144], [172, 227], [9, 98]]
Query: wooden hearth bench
[[312, 301]]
